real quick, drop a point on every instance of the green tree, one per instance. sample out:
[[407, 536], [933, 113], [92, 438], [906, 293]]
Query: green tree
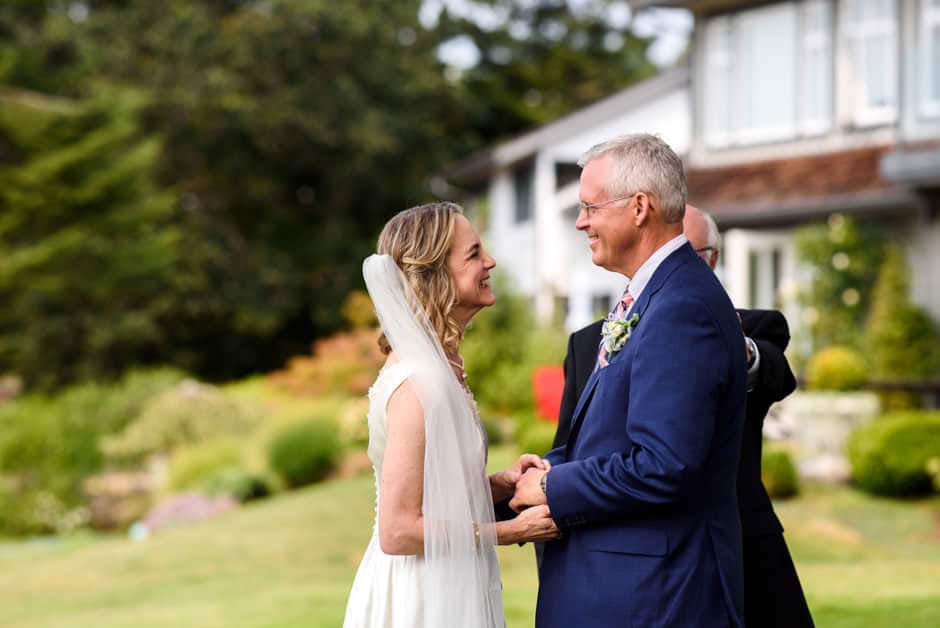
[[542, 61], [844, 257], [902, 340], [88, 249]]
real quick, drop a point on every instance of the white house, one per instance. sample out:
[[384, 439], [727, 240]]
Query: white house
[[808, 107], [787, 112], [528, 196]]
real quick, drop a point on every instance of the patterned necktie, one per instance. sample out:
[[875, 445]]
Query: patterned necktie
[[619, 313]]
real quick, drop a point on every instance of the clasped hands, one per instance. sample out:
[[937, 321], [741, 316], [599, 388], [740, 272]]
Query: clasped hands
[[522, 482]]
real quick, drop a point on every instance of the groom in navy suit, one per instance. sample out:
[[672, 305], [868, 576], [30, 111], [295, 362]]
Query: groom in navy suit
[[644, 487]]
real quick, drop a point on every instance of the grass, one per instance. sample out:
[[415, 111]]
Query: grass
[[289, 561]]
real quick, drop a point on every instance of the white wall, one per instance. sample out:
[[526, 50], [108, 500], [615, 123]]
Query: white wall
[[923, 254]]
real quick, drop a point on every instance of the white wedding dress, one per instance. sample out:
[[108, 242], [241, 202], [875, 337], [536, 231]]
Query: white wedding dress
[[454, 583], [388, 590]]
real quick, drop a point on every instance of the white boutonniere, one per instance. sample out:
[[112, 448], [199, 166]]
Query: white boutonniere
[[617, 333]]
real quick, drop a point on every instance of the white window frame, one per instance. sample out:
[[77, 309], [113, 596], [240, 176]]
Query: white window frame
[[928, 105], [815, 42], [862, 113], [717, 103], [724, 108]]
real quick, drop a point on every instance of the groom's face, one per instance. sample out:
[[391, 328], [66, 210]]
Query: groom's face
[[611, 234]]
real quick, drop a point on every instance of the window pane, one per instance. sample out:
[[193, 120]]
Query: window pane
[[934, 59], [718, 40], [767, 54], [871, 41], [816, 84], [522, 184]]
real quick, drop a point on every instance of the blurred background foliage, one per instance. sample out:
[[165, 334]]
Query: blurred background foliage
[[195, 182]]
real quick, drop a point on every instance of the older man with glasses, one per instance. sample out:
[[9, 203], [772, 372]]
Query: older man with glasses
[[772, 592]]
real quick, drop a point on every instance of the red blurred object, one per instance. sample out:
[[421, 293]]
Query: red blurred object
[[548, 382]]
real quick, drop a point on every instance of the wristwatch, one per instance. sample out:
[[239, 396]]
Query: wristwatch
[[542, 482]]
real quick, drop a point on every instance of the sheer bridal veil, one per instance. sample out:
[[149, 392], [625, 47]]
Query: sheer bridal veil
[[461, 578]]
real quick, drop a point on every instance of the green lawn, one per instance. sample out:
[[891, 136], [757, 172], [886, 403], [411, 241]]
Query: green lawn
[[289, 562]]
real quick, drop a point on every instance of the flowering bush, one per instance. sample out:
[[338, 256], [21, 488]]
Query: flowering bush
[[345, 363]]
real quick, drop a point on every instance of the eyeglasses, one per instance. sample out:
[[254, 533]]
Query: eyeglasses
[[591, 208], [706, 249]]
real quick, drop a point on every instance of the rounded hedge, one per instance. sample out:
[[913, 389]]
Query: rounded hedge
[[836, 368], [890, 456], [778, 473], [305, 452]]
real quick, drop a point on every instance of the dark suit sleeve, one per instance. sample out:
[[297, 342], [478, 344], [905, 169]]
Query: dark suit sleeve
[[775, 380], [769, 330], [673, 409], [569, 399]]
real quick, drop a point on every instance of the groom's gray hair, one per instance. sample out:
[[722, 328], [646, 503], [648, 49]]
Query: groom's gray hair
[[642, 162]]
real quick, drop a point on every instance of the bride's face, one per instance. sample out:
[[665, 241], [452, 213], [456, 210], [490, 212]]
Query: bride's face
[[470, 267]]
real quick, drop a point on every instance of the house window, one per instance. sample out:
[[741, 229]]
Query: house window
[[718, 67], [522, 187], [768, 73], [814, 99], [566, 173], [870, 34], [929, 62]]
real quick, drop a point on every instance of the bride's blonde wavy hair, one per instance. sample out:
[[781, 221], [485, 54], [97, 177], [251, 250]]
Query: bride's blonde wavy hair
[[418, 240]]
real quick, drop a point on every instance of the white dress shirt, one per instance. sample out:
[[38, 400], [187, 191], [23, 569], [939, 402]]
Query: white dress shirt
[[645, 272]]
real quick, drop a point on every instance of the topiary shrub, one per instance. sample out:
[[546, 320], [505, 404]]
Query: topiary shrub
[[836, 368], [902, 340], [778, 473], [890, 456], [305, 452]]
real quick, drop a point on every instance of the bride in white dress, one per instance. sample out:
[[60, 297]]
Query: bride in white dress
[[431, 561]]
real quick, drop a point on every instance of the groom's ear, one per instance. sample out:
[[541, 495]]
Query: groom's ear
[[641, 209]]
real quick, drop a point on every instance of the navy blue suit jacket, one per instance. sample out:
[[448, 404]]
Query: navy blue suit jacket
[[644, 487]]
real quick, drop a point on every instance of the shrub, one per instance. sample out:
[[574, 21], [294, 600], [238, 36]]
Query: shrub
[[495, 430], [534, 436], [890, 456], [903, 341], [343, 364], [836, 368], [844, 255], [305, 452], [192, 465], [189, 413], [239, 483], [49, 444], [503, 348], [778, 473], [354, 422]]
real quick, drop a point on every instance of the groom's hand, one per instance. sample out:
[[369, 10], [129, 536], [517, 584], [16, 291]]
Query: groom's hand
[[529, 490]]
